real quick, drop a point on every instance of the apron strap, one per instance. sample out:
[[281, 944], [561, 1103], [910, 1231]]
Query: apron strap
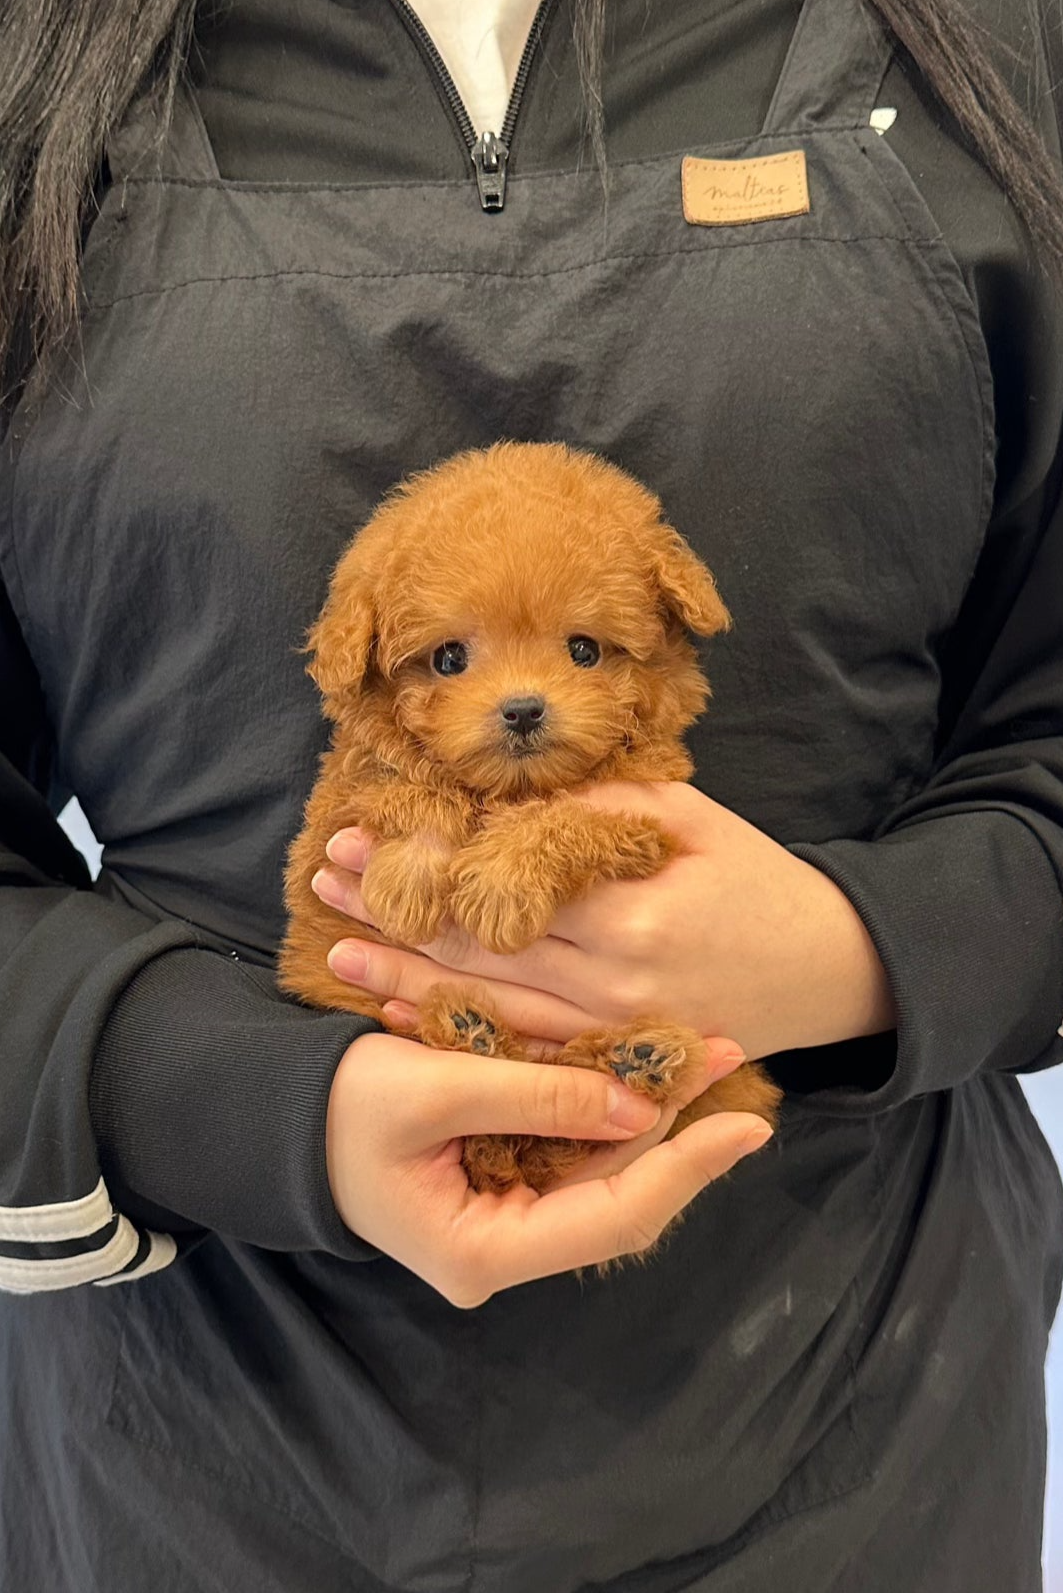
[[834, 69], [134, 148]]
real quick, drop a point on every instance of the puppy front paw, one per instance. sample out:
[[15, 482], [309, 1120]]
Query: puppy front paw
[[404, 889], [502, 921], [634, 846]]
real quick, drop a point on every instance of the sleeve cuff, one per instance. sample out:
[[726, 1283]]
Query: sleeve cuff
[[208, 1098], [964, 910]]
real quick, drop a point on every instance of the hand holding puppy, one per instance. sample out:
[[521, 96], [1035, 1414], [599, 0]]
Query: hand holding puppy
[[733, 936], [399, 1112]]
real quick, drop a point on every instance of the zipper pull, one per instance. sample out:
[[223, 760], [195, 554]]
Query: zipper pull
[[489, 156]]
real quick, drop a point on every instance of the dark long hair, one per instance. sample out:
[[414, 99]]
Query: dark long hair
[[70, 68]]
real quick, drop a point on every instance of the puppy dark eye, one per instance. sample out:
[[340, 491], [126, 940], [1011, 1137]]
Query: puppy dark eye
[[584, 650], [450, 659]]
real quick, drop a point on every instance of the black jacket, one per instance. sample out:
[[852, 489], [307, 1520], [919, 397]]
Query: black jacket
[[856, 416]]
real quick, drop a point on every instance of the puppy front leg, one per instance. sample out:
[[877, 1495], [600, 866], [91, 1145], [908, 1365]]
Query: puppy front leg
[[405, 888], [528, 860]]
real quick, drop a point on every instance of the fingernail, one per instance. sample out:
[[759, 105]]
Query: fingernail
[[401, 1013], [348, 849], [327, 888], [723, 1059], [633, 1112], [754, 1140], [348, 961]]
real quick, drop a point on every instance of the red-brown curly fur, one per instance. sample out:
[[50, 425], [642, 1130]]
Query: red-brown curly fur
[[512, 550]]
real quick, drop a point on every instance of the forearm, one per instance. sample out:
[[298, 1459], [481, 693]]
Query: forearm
[[152, 1088]]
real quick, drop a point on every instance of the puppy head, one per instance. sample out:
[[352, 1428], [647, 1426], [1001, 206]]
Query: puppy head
[[512, 619]]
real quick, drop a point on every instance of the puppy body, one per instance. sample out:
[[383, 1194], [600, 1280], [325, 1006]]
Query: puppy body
[[508, 626]]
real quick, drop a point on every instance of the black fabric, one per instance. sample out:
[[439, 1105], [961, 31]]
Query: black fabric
[[221, 1015], [857, 423], [324, 92]]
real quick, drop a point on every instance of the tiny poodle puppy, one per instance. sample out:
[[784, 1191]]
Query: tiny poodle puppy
[[508, 626]]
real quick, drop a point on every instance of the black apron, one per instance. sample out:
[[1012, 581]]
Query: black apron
[[811, 396]]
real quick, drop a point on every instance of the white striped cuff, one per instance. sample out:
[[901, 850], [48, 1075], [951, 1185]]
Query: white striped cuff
[[67, 1243]]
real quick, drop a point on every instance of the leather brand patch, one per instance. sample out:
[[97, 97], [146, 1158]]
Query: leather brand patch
[[721, 193]]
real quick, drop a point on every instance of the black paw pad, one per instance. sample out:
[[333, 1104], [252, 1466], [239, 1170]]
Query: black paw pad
[[480, 1040], [635, 1059], [471, 1020]]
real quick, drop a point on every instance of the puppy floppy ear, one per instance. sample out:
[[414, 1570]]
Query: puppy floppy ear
[[341, 639], [686, 585]]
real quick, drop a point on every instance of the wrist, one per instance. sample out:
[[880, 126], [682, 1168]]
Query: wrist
[[846, 991]]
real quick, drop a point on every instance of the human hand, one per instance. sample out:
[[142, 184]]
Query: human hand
[[735, 936], [397, 1116]]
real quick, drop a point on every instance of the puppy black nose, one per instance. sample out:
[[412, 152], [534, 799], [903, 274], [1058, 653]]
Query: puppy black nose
[[522, 715]]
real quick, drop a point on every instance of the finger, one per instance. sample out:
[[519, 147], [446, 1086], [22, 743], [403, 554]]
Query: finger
[[400, 1014], [350, 849], [606, 1160], [679, 807], [722, 1056], [559, 961], [511, 1241], [343, 891], [549, 964], [403, 1015], [537, 1049], [394, 974], [453, 1094], [599, 920]]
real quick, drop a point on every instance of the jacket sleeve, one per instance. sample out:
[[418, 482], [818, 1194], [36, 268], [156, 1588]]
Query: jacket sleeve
[[152, 1086], [960, 889]]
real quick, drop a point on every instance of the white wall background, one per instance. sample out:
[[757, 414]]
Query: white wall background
[[1045, 1093]]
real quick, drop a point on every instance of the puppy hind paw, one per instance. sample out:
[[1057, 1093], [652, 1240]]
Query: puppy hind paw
[[476, 1031], [659, 1062], [452, 1019], [645, 1065], [638, 1059], [464, 1029]]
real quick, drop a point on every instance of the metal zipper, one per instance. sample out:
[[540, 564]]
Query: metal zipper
[[489, 152]]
